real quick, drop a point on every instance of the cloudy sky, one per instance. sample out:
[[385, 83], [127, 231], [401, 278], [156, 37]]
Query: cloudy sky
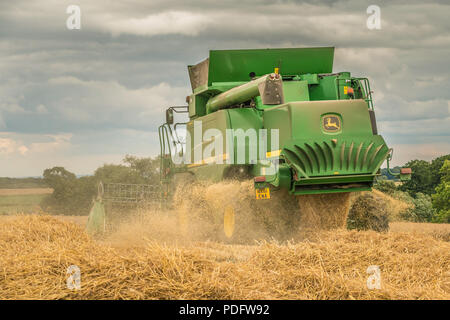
[[81, 98]]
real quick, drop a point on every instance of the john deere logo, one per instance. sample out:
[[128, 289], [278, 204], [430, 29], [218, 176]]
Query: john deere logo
[[331, 123]]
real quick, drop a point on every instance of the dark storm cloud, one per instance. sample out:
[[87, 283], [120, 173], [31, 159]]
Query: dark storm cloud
[[65, 91]]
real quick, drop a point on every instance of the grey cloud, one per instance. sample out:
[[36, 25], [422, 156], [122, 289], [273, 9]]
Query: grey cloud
[[108, 83]]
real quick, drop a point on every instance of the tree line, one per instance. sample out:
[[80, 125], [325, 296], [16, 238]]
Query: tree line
[[73, 196], [428, 190]]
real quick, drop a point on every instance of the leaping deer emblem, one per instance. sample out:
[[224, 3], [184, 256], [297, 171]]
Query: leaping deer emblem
[[329, 124]]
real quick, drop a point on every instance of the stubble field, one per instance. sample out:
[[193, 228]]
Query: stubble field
[[152, 258], [148, 262]]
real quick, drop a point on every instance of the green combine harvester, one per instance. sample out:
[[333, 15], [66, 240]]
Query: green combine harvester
[[280, 117]]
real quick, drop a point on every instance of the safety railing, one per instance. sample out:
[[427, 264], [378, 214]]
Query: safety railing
[[364, 85], [129, 193], [169, 141]]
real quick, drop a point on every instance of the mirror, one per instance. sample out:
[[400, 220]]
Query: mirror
[[169, 116]]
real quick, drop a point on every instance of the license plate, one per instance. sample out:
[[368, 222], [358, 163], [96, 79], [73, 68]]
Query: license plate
[[262, 193]]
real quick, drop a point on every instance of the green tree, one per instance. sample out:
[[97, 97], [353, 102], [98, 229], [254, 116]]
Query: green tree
[[74, 195], [147, 168], [441, 199], [58, 178], [134, 170], [85, 191], [61, 181], [425, 176], [420, 179], [386, 186], [435, 168], [422, 210], [113, 173], [65, 187]]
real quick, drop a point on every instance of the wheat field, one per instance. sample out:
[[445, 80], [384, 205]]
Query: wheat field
[[155, 262]]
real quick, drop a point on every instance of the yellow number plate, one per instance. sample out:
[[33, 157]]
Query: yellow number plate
[[263, 193]]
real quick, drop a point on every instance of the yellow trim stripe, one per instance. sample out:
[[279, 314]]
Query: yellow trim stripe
[[272, 154], [209, 160]]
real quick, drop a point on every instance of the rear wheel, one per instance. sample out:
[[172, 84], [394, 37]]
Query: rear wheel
[[248, 219], [229, 221], [228, 212]]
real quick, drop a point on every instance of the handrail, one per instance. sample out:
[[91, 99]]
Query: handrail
[[168, 136], [367, 92]]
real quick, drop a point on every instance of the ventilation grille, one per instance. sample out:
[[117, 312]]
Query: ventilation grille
[[329, 158]]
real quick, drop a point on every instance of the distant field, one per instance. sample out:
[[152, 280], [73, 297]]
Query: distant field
[[13, 201], [25, 191], [18, 183], [439, 231]]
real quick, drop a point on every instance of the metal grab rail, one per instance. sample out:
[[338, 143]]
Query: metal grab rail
[[169, 141], [367, 91], [365, 86]]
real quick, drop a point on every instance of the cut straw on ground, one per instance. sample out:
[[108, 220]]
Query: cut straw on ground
[[35, 252]]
